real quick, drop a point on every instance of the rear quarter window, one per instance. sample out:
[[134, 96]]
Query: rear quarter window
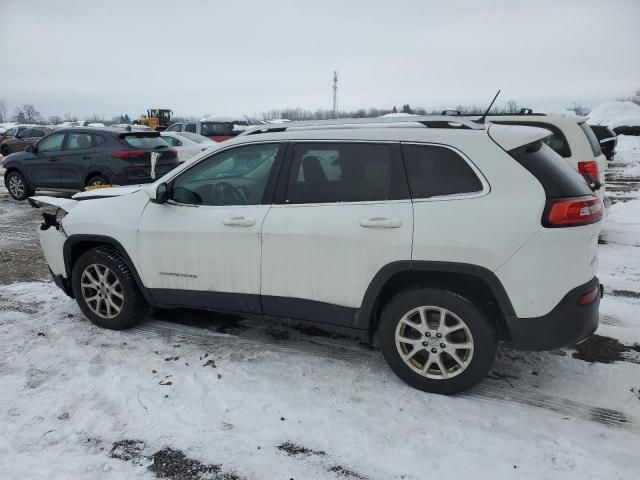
[[435, 171], [146, 141], [558, 179]]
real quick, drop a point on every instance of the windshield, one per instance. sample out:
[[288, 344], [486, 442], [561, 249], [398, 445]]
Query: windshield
[[147, 141], [593, 140]]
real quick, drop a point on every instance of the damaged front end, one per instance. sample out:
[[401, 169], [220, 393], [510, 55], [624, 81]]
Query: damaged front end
[[53, 237]]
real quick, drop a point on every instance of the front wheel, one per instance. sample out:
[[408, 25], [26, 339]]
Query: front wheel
[[17, 186], [5, 151], [436, 340], [106, 291]]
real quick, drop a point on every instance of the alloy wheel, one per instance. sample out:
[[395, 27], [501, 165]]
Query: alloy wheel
[[16, 186], [102, 291], [434, 342]]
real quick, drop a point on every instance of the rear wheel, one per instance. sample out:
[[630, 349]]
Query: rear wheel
[[17, 186], [105, 289], [96, 181], [436, 341]]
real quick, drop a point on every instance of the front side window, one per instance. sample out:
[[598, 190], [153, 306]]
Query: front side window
[[340, 172], [435, 171], [176, 127], [26, 133], [591, 137], [37, 133], [78, 141], [191, 127], [52, 143], [237, 176]]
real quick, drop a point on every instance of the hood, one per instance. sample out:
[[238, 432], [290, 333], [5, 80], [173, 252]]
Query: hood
[[107, 192]]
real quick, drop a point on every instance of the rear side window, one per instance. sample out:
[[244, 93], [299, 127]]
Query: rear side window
[[557, 141], [78, 141], [557, 178], [593, 140], [146, 141], [436, 171], [98, 139], [191, 127], [340, 172]]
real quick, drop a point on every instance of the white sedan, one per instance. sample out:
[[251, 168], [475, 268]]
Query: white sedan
[[187, 144]]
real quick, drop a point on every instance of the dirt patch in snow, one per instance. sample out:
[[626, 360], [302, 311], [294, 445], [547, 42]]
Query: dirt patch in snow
[[22, 265], [625, 293], [169, 463], [602, 349], [294, 450]]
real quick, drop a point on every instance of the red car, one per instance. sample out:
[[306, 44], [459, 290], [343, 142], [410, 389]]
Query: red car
[[24, 136]]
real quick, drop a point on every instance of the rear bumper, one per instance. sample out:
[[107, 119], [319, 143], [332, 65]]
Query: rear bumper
[[567, 324]]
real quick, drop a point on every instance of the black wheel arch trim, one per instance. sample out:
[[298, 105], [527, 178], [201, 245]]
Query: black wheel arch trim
[[363, 319], [73, 240]]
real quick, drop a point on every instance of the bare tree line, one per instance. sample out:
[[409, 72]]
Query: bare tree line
[[27, 113]]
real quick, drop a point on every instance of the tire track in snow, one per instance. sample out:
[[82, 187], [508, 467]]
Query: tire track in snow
[[488, 390]]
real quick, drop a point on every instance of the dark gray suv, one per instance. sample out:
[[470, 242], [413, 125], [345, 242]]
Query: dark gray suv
[[74, 158]]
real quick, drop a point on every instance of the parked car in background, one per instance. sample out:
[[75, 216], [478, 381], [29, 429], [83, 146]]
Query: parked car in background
[[187, 144], [607, 138], [217, 127], [13, 131], [75, 158], [571, 138], [438, 238], [19, 141]]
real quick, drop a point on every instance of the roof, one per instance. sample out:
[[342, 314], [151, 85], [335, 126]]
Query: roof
[[425, 121]]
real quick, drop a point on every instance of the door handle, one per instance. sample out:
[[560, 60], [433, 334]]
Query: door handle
[[381, 222], [239, 221], [87, 157], [53, 159]]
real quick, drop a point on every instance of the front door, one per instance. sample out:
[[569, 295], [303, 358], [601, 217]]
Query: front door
[[345, 215], [202, 248], [43, 167]]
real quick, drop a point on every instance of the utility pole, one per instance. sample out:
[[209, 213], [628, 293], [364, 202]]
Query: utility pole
[[335, 94]]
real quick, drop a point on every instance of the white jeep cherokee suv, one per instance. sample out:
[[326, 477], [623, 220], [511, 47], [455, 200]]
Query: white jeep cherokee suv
[[436, 236]]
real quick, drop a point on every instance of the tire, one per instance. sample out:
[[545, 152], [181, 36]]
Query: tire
[[467, 325], [5, 151], [119, 313], [17, 185], [97, 180]]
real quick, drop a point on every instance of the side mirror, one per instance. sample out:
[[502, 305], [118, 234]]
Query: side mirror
[[160, 194], [30, 149]]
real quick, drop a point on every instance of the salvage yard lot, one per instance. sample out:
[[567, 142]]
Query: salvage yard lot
[[193, 395]]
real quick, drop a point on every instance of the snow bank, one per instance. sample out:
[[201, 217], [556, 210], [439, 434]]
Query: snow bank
[[399, 114], [615, 114]]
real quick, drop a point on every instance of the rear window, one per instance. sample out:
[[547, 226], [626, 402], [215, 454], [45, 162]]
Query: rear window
[[149, 141], [557, 141], [212, 129], [437, 171], [557, 178], [593, 140]]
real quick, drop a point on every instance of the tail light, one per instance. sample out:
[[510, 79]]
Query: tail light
[[590, 171], [572, 212], [128, 154]]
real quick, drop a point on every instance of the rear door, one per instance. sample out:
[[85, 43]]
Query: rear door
[[76, 160], [43, 167], [344, 214]]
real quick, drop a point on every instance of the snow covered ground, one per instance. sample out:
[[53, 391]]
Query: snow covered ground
[[190, 395]]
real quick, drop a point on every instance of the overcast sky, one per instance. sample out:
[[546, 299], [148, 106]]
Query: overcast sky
[[196, 57]]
